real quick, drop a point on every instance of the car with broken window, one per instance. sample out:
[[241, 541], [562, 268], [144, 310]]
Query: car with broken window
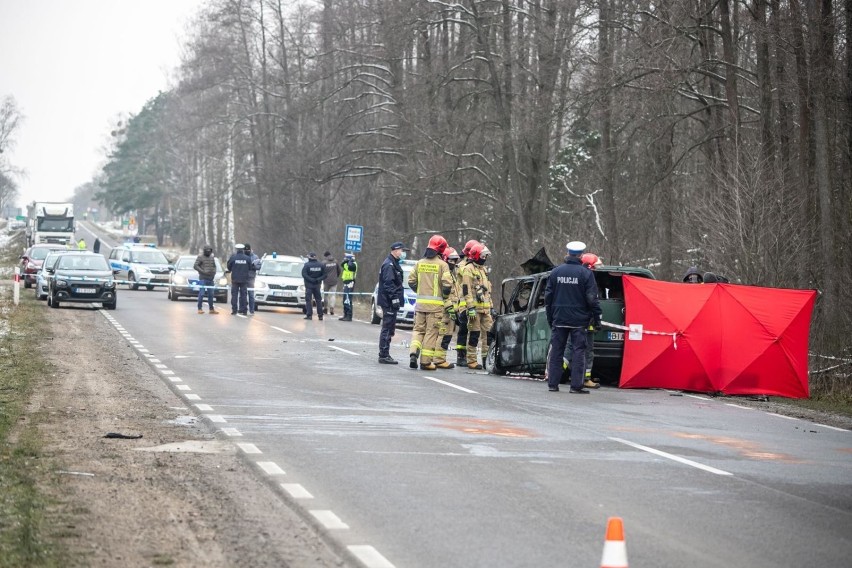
[[521, 335]]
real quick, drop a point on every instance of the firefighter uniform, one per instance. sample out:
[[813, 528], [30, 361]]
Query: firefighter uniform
[[456, 304], [477, 293], [431, 280]]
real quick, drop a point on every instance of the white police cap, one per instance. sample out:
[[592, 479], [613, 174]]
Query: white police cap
[[240, 247], [576, 247]]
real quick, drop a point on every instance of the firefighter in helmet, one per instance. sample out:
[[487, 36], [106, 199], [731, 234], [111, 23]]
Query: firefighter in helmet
[[477, 293], [450, 319], [431, 280], [461, 337]]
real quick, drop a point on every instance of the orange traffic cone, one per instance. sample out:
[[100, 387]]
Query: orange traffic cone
[[615, 549]]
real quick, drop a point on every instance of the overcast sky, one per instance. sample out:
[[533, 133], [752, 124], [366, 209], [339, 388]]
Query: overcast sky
[[73, 66]]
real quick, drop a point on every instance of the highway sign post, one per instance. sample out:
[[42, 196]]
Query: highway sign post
[[354, 238]]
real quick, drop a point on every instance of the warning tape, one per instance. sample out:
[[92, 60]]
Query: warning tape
[[640, 329], [194, 287]]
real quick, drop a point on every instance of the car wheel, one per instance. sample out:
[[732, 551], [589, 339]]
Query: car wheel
[[375, 319], [131, 281], [52, 302], [40, 296], [111, 305], [149, 287], [172, 296], [222, 299], [491, 364]]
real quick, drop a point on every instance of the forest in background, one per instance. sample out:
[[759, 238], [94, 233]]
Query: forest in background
[[664, 134]]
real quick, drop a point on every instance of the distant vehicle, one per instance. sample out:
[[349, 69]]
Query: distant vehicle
[[405, 316], [279, 281], [50, 222], [32, 260], [43, 276], [81, 277], [522, 336], [140, 265], [184, 282]]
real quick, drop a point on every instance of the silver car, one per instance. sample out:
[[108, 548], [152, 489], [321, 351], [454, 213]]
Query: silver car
[[140, 265], [184, 282], [42, 277], [279, 281]]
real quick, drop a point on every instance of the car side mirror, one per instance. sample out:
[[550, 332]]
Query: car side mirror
[[172, 268], [115, 272], [49, 270]]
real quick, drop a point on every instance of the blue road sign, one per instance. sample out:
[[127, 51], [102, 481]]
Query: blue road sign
[[354, 238]]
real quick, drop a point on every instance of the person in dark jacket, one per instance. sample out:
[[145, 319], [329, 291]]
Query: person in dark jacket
[[97, 246], [314, 273], [692, 276], [238, 266], [254, 266], [205, 265], [391, 296], [571, 302], [332, 279]]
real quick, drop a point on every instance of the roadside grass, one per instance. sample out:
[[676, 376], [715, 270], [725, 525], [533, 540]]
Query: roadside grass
[[26, 529], [830, 392]]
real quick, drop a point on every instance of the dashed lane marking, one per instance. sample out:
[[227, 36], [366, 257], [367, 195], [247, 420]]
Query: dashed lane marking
[[345, 350], [249, 448], [216, 418], [369, 556], [175, 379], [296, 491], [738, 406], [433, 379], [192, 397], [204, 407], [184, 388], [281, 329], [233, 432], [672, 457], [270, 468], [329, 520], [830, 427], [782, 416]]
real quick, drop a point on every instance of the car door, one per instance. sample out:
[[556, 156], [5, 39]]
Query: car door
[[511, 326], [538, 330]]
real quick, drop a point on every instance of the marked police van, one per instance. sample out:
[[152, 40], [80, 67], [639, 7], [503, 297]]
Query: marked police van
[[140, 265]]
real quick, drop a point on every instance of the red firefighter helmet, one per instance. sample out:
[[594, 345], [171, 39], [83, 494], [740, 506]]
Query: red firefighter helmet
[[437, 243], [479, 251], [590, 260], [450, 254], [468, 245]]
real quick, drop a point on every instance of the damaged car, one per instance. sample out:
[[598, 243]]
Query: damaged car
[[521, 335]]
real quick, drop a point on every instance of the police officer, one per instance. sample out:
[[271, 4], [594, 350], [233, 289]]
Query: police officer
[[254, 266], [571, 302], [391, 296], [347, 275], [239, 265], [313, 273]]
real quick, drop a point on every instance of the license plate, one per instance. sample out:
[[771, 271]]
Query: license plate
[[85, 290], [283, 293], [615, 335]]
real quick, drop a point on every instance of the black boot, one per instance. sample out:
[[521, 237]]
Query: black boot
[[461, 357]]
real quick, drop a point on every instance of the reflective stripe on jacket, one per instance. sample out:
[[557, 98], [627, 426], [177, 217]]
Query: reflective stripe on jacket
[[476, 287], [427, 278]]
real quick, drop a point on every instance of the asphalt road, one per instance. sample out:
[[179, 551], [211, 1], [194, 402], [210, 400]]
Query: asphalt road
[[459, 468]]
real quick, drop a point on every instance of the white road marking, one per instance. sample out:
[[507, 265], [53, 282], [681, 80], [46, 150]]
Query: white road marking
[[369, 556], [161, 366], [184, 388], [345, 350], [231, 432], [163, 372], [155, 360], [181, 356], [738, 406], [296, 491], [830, 427], [249, 448], [672, 457], [782, 416], [204, 407], [450, 385], [281, 329], [175, 379], [192, 397], [271, 468], [143, 350], [216, 418], [698, 397], [329, 520]]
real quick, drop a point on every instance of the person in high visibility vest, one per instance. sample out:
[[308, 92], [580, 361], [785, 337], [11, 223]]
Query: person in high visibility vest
[[431, 280], [81, 244], [349, 270]]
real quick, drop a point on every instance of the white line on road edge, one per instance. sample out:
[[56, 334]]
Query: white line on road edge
[[830, 427], [296, 491], [216, 418], [233, 432], [369, 556], [672, 457], [271, 468], [192, 397], [184, 387], [204, 407], [696, 396], [738, 406], [329, 520], [280, 329], [345, 350], [249, 448], [782, 416], [450, 385], [175, 379]]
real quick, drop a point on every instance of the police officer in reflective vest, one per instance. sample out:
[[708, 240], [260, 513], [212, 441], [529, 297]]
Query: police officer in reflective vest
[[571, 302], [347, 275], [431, 280]]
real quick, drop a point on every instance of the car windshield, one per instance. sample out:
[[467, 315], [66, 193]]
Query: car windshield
[[405, 275], [62, 225], [39, 253], [148, 257], [82, 262], [280, 268], [188, 263]]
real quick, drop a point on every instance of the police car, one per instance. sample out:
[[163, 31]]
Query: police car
[[279, 281], [140, 265]]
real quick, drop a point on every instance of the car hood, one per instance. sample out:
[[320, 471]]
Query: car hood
[[191, 274], [84, 274], [281, 280]]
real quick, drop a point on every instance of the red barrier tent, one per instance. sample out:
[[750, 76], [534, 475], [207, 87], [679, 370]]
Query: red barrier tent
[[720, 338]]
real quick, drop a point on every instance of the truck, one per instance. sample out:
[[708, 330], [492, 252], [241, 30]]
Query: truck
[[49, 222]]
